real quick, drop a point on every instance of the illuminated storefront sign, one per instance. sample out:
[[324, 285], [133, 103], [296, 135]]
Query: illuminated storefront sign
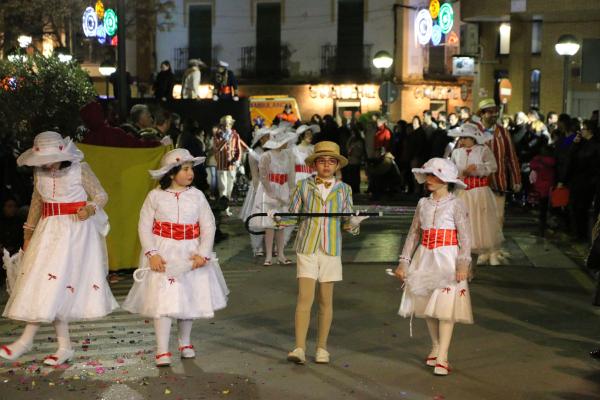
[[343, 91]]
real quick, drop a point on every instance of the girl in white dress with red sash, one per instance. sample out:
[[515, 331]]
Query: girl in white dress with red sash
[[62, 274], [435, 275], [475, 162], [302, 150], [179, 276]]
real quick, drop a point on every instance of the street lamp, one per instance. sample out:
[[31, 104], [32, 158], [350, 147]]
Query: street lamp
[[567, 46], [107, 69], [382, 60]]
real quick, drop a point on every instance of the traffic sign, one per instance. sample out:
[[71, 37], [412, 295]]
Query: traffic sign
[[388, 92]]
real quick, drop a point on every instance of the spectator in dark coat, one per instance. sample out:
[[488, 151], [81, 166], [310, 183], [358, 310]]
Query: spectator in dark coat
[[163, 85]]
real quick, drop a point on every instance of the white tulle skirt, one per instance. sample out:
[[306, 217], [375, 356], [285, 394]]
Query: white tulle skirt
[[187, 295], [264, 203], [431, 289], [62, 275], [486, 234]]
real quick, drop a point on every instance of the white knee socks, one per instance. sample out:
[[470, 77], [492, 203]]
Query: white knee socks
[[162, 329]]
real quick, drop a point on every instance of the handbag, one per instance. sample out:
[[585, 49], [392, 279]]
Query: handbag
[[559, 197]]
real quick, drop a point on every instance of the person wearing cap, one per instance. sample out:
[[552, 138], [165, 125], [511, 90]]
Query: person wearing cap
[[508, 175], [224, 83], [228, 154], [276, 176], [182, 277], [319, 244], [435, 275], [190, 85], [259, 138], [303, 149], [475, 163], [63, 236]]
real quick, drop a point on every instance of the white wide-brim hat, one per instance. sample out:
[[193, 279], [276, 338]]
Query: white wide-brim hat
[[172, 159], [313, 128], [49, 147], [442, 168], [223, 64], [259, 134], [471, 130], [280, 137]]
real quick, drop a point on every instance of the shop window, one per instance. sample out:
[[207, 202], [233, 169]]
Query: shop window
[[534, 94]]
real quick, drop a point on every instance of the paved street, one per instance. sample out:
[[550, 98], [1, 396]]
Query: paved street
[[534, 327]]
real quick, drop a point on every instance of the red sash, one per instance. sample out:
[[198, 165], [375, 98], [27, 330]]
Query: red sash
[[176, 231], [473, 182], [278, 178], [303, 168], [52, 209], [434, 238]]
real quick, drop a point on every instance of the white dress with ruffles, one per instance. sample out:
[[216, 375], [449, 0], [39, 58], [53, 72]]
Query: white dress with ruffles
[[179, 292], [301, 152], [480, 201], [273, 195], [431, 289], [63, 272], [253, 159]]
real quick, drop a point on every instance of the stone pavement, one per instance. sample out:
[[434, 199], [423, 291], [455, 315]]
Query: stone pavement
[[534, 327]]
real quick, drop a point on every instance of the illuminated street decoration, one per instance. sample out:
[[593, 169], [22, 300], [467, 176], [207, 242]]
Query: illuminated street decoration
[[101, 34], [423, 27], [434, 8], [446, 18], [100, 9], [110, 22], [90, 22], [436, 35]]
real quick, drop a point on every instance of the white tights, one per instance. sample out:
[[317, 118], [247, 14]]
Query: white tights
[[162, 328], [441, 336]]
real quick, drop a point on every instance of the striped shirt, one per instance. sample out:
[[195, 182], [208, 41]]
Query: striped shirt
[[322, 233], [227, 152], [506, 157]]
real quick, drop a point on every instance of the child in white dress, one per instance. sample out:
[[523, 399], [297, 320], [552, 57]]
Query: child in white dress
[[304, 149], [435, 275], [475, 162], [62, 275], [181, 277]]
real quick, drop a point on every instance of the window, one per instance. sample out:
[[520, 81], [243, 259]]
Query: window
[[200, 33], [350, 38], [268, 40], [504, 39], [536, 37], [534, 94]]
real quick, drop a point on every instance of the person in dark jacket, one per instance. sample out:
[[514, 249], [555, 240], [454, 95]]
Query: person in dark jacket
[[440, 138], [165, 80], [415, 150]]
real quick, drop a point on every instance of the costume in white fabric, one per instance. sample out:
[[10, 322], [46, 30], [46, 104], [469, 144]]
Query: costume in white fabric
[[301, 152], [256, 241]]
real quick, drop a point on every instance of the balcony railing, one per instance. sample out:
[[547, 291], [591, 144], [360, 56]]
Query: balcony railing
[[181, 57], [330, 66], [249, 68]]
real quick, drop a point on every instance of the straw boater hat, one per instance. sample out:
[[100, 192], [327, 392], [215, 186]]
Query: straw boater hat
[[487, 103], [327, 149], [280, 137], [259, 134], [225, 119], [471, 130], [50, 147], [442, 168], [174, 158]]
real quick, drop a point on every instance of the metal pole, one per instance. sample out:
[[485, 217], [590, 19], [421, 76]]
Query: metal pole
[[565, 82], [122, 61]]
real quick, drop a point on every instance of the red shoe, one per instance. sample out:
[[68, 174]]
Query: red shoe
[[431, 361]]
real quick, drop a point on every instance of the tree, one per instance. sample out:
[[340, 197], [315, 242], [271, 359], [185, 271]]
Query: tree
[[39, 93]]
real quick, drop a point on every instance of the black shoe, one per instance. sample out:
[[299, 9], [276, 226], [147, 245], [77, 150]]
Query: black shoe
[[595, 354]]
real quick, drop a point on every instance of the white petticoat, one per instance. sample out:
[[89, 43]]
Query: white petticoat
[[194, 294], [486, 234], [431, 289], [62, 274]]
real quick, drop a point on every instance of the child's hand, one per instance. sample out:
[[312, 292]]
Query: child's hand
[[197, 261], [470, 169], [400, 273], [461, 276], [157, 263], [85, 212]]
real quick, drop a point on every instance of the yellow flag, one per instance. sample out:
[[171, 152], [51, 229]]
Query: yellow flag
[[123, 172]]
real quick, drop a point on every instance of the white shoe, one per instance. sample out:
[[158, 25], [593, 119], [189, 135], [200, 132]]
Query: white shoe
[[163, 359], [60, 357], [228, 212], [14, 350], [483, 259], [187, 351], [322, 356], [495, 259], [297, 356], [442, 368]]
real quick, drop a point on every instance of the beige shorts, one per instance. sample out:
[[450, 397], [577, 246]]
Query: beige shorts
[[319, 266]]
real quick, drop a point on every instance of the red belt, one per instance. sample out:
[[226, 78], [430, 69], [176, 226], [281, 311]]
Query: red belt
[[473, 182], [176, 231], [304, 168], [225, 89], [52, 209], [433, 238], [278, 178]]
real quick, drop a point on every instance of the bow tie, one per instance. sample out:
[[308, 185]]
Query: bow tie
[[327, 184]]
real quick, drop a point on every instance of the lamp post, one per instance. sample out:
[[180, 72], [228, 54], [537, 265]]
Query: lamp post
[[567, 46], [107, 69], [383, 60]]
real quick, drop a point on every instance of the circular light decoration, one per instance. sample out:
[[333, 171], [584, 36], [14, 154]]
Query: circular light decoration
[[100, 9], [110, 22], [446, 18], [423, 27], [452, 39], [90, 22], [114, 41], [434, 8], [436, 35], [101, 33]]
